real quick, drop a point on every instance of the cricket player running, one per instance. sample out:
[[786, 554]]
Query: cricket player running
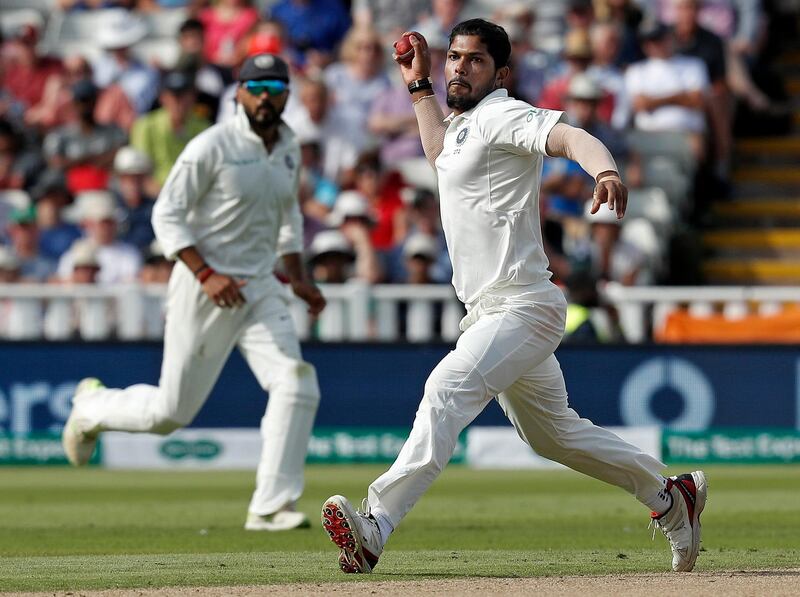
[[488, 158], [228, 209]]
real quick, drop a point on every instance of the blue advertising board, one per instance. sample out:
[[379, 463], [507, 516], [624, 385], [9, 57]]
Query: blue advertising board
[[368, 385]]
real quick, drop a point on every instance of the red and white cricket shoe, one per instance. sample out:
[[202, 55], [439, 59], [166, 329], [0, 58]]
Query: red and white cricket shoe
[[355, 533], [681, 523]]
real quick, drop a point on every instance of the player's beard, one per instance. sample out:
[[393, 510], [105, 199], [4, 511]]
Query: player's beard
[[262, 119], [464, 102]]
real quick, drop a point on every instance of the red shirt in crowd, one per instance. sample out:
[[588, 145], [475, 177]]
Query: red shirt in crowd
[[26, 83], [221, 36], [385, 210]]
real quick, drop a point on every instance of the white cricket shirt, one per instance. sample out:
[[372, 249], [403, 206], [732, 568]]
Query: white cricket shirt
[[232, 200], [489, 173]]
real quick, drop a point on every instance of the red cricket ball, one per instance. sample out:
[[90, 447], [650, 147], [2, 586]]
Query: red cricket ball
[[403, 46]]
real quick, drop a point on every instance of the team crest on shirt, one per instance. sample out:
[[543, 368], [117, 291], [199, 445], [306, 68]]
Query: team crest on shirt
[[289, 162], [462, 136]]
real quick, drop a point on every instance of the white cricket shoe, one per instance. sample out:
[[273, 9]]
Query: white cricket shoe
[[681, 523], [356, 534], [78, 441], [285, 519]]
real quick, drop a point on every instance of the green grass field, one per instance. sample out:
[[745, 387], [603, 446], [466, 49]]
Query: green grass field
[[82, 529]]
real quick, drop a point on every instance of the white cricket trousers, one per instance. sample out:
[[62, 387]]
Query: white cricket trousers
[[198, 339], [507, 351]]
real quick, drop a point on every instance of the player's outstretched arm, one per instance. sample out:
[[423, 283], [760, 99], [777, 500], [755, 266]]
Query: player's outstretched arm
[[576, 144], [415, 65]]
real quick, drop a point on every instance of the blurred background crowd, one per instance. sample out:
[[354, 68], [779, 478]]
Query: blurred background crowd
[[99, 97]]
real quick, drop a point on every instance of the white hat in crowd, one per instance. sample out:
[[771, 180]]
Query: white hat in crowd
[[95, 206], [8, 261], [120, 29], [349, 204], [15, 199], [421, 245], [603, 215], [83, 253], [514, 30], [584, 87], [308, 135], [434, 37], [329, 241], [130, 160]]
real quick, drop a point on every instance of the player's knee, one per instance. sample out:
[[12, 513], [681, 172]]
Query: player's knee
[[163, 425], [163, 421], [558, 446], [434, 388], [307, 383], [549, 449], [445, 382], [300, 382]]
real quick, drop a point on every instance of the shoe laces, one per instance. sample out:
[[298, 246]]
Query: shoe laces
[[654, 524], [368, 519]]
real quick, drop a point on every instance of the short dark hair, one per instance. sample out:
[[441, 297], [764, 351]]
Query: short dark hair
[[493, 36], [369, 161], [190, 25]]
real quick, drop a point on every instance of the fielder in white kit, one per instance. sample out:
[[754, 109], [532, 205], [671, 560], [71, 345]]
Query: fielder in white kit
[[488, 158], [228, 210]]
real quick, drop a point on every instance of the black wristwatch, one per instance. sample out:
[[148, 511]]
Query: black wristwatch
[[420, 85]]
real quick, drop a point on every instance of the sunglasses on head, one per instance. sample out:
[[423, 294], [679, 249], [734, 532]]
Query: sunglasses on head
[[272, 88]]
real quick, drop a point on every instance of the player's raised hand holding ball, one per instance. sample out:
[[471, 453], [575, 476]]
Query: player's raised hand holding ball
[[403, 50], [412, 55]]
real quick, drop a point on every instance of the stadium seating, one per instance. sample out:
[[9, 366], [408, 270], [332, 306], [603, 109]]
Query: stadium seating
[[11, 20], [163, 50], [75, 32], [43, 6]]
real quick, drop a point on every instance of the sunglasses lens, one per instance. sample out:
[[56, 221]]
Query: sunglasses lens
[[271, 87]]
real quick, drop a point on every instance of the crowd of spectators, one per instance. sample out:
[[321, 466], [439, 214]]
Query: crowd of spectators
[[87, 139]]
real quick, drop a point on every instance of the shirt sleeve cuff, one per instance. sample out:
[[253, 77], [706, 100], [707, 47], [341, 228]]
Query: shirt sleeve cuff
[[289, 247], [172, 247], [553, 119]]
